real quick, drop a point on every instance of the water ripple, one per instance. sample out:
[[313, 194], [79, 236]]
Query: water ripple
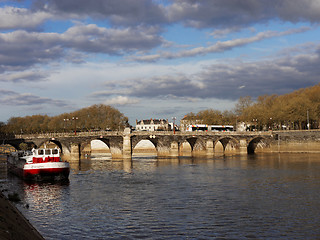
[[261, 198]]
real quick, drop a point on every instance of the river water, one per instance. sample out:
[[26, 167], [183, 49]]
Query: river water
[[263, 196]]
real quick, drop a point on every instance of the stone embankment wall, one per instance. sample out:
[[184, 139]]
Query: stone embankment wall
[[295, 142], [13, 225]]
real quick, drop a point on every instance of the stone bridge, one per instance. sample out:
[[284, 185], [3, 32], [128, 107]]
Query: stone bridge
[[167, 144]]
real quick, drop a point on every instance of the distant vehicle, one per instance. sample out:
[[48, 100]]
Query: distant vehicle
[[210, 128], [197, 128], [221, 128]]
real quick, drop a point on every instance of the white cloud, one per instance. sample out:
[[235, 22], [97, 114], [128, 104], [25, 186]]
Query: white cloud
[[28, 99], [31, 76], [11, 17], [121, 100], [220, 46], [222, 14], [25, 49]]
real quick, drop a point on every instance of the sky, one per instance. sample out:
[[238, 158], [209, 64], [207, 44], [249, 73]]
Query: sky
[[153, 58]]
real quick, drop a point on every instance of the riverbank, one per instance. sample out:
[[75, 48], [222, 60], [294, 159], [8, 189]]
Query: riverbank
[[13, 225]]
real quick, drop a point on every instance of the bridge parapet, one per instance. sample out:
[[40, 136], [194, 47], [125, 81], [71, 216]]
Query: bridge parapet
[[185, 133], [69, 135]]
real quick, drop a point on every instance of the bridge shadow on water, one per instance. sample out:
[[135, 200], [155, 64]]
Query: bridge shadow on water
[[150, 162]]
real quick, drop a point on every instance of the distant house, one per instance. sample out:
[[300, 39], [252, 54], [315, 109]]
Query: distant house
[[184, 123], [152, 125]]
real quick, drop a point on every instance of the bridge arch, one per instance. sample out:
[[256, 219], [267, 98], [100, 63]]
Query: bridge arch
[[6, 148], [48, 141], [63, 147], [229, 144], [137, 139], [88, 141], [197, 145], [255, 143], [144, 147], [192, 142], [185, 148], [95, 146], [14, 143]]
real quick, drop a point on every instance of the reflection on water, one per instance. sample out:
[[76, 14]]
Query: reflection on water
[[261, 196], [45, 198]]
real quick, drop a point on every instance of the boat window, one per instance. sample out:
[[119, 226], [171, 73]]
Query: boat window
[[54, 151], [48, 152], [40, 152]]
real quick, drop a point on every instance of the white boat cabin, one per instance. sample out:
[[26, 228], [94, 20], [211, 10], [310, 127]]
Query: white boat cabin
[[45, 152], [44, 155]]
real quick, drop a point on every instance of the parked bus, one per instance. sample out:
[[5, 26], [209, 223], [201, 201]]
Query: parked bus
[[210, 128], [220, 128]]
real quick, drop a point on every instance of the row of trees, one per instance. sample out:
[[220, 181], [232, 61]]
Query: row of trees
[[297, 110], [211, 117], [96, 117]]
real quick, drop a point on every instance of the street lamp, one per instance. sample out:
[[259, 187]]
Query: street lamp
[[308, 124], [255, 126], [75, 125], [64, 123], [236, 123], [174, 129]]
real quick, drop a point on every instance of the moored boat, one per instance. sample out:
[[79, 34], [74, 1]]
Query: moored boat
[[38, 164]]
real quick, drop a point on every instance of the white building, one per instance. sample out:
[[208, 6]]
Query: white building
[[152, 125]]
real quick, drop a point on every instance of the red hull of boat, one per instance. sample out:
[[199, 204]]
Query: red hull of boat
[[47, 172], [40, 174]]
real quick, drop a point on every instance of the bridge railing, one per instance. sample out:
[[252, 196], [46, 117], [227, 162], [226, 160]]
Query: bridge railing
[[69, 134]]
